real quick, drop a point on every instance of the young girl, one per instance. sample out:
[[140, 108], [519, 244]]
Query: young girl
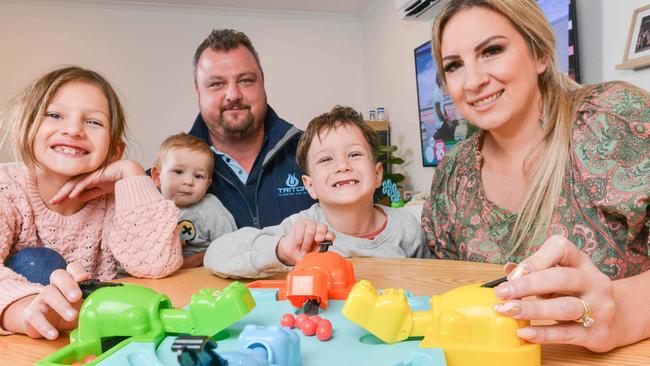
[[73, 194]]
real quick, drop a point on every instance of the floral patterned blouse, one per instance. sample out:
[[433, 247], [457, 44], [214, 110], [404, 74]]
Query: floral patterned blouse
[[604, 207]]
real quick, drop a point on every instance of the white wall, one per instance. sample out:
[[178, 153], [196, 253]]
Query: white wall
[[311, 62], [590, 40], [616, 25], [388, 44]]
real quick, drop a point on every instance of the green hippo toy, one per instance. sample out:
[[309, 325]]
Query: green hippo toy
[[112, 317]]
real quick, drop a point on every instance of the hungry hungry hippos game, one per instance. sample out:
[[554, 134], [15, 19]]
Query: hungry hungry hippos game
[[319, 315]]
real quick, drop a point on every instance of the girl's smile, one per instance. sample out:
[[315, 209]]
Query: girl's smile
[[74, 135]]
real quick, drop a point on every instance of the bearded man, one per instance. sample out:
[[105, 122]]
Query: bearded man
[[255, 171]]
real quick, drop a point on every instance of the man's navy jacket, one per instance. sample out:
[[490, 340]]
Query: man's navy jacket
[[274, 189]]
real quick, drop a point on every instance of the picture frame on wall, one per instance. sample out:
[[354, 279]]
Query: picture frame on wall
[[637, 48]]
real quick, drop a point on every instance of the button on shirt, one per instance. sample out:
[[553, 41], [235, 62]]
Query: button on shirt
[[233, 164]]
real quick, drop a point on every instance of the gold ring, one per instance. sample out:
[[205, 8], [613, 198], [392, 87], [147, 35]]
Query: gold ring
[[586, 319]]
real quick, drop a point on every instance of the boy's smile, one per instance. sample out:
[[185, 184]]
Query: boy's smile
[[341, 168], [346, 183]]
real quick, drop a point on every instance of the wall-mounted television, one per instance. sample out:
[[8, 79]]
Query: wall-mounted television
[[562, 16], [441, 125]]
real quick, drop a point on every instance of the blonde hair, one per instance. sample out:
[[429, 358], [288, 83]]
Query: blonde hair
[[26, 112], [560, 97], [184, 141]]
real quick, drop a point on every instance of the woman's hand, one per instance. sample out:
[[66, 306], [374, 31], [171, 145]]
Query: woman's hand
[[98, 183], [560, 275], [55, 308]]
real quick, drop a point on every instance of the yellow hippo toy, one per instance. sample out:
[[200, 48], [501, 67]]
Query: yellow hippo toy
[[461, 321]]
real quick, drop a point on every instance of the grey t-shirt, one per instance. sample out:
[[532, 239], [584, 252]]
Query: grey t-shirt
[[250, 252], [202, 223]]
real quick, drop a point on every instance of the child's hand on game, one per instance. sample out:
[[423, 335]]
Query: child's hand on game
[[304, 237], [98, 183], [54, 309]]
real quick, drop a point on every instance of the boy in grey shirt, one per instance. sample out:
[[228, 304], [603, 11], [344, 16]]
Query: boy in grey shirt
[[337, 152], [182, 172]]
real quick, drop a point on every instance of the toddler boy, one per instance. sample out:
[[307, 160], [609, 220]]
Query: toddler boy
[[182, 172], [337, 153]]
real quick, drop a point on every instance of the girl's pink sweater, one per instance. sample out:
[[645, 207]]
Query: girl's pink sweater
[[135, 227]]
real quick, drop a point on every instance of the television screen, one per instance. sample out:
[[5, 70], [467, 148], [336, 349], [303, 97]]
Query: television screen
[[562, 16], [441, 125]]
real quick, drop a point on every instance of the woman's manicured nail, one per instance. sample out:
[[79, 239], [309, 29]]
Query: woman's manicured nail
[[503, 291], [51, 334], [526, 333], [507, 308], [521, 270]]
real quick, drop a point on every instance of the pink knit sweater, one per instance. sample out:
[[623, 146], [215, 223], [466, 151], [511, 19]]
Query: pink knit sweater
[[135, 227]]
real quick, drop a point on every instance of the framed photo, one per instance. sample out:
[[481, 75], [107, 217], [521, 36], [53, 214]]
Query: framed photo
[[637, 49]]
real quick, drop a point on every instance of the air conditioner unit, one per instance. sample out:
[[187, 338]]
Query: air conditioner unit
[[416, 9]]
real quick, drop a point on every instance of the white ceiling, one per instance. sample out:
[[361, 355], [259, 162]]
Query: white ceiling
[[347, 7]]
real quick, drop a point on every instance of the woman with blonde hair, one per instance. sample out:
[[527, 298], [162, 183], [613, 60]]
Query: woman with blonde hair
[[557, 180]]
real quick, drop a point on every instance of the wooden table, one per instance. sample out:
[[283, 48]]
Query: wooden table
[[420, 276]]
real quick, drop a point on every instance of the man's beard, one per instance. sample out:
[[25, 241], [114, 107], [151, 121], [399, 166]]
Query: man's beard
[[239, 128], [236, 127]]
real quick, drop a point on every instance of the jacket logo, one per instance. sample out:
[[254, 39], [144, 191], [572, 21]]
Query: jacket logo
[[291, 181], [292, 187]]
